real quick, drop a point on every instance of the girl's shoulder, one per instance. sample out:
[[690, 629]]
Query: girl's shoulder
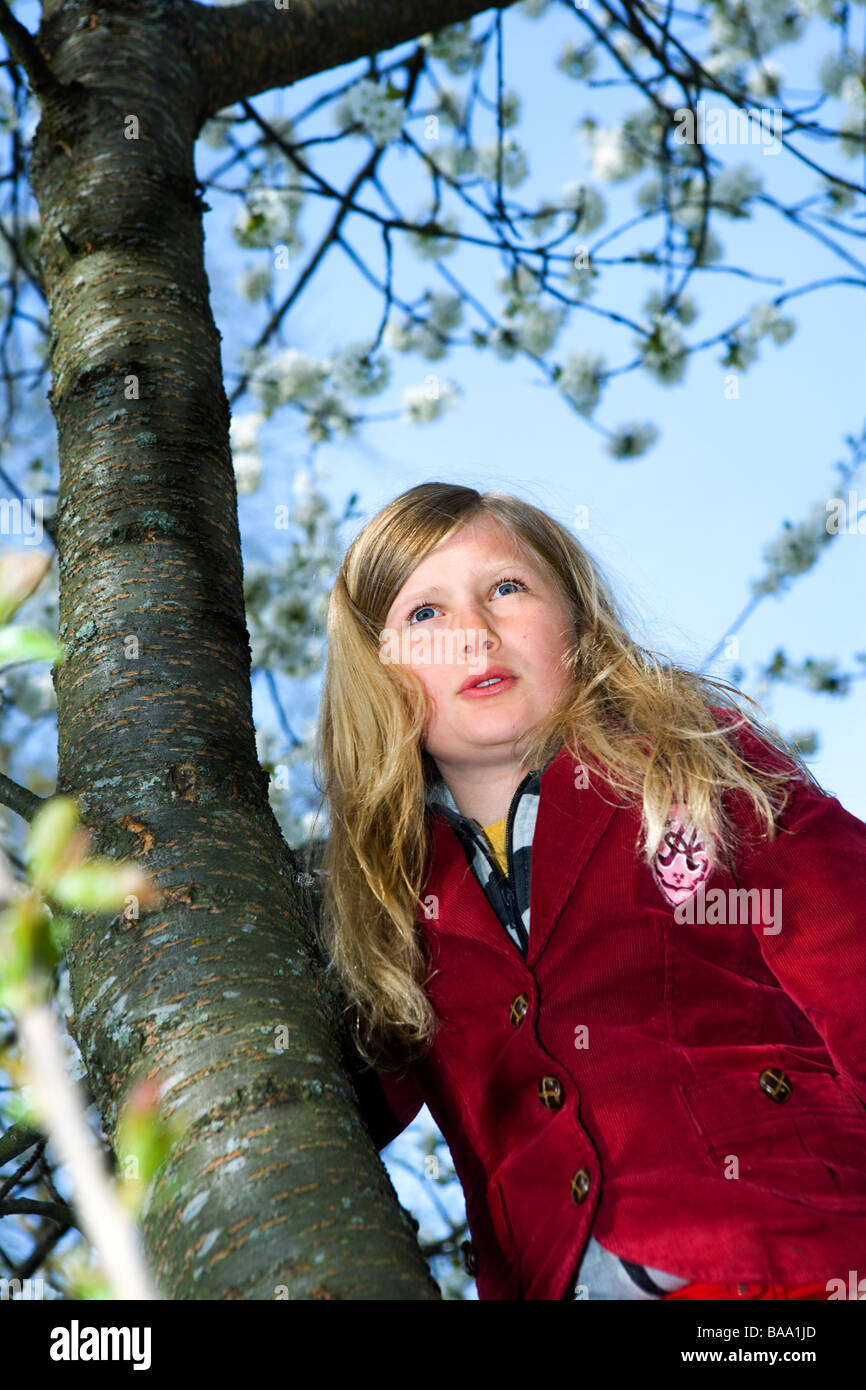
[[754, 745]]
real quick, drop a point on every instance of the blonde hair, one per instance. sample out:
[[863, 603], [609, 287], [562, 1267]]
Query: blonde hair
[[645, 721]]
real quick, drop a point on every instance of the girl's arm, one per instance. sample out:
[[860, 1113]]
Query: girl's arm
[[813, 935], [388, 1103]]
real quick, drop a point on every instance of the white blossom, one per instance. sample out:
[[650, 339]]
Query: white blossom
[[253, 283], [428, 342], [742, 351], [834, 68], [248, 472], [728, 64], [765, 79], [575, 62], [809, 8], [853, 92], [852, 123], [649, 195], [328, 416], [214, 133], [422, 404], [426, 337], [582, 278], [454, 161], [712, 247], [625, 44], [503, 340], [539, 328], [840, 197], [510, 107], [446, 310], [662, 353], [398, 332], [290, 376], [449, 105], [685, 309], [244, 430], [455, 46], [612, 158], [732, 188], [631, 440], [268, 216], [370, 106], [542, 222], [580, 380], [521, 284], [795, 550], [354, 372], [765, 318], [583, 198], [515, 165], [434, 247]]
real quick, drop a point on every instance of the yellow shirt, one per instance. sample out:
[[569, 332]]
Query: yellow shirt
[[496, 835]]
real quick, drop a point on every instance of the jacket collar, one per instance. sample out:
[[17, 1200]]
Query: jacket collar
[[574, 810]]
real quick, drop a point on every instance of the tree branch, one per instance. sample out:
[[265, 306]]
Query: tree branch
[[246, 49], [24, 49], [25, 1206], [17, 1140], [23, 802]]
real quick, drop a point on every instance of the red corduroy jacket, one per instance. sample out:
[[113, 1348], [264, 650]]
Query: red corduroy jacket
[[692, 1094]]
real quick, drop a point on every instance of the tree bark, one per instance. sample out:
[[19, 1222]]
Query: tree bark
[[275, 1189]]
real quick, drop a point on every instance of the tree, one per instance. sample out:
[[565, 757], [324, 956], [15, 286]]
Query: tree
[[155, 731]]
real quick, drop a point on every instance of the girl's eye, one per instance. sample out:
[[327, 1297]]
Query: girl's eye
[[518, 582], [497, 585], [419, 609]]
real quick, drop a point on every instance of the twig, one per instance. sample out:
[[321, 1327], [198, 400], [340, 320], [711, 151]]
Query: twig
[[102, 1218]]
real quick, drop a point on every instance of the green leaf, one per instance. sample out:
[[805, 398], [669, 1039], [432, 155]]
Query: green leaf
[[28, 953], [92, 887], [20, 644], [51, 831]]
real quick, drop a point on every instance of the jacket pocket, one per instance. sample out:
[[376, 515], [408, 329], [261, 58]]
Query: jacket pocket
[[809, 1149], [502, 1223]]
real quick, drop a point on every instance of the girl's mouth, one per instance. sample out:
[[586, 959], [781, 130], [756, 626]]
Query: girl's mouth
[[493, 685]]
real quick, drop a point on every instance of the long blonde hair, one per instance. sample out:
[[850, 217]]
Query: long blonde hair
[[645, 721]]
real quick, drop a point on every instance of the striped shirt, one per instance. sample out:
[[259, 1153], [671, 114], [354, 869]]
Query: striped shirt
[[500, 856]]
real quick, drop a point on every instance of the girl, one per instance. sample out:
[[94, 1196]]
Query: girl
[[608, 927]]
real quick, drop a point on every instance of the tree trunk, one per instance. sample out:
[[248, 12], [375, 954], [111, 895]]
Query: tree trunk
[[275, 1189]]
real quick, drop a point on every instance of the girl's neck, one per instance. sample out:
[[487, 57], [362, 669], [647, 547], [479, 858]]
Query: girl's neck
[[484, 798]]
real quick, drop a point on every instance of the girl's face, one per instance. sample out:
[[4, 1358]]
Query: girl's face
[[471, 610]]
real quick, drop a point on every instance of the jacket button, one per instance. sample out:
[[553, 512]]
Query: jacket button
[[550, 1092], [470, 1262], [776, 1084], [519, 1009], [580, 1185]]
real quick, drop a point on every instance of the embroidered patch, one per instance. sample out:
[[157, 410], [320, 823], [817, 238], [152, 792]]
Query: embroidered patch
[[681, 863]]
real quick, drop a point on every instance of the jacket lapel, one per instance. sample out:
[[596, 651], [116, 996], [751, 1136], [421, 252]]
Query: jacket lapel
[[572, 817], [573, 814]]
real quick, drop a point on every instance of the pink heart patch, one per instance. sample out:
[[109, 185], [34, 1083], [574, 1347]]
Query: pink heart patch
[[681, 863]]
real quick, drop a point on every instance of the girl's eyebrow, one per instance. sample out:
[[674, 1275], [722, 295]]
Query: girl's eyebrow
[[494, 565]]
